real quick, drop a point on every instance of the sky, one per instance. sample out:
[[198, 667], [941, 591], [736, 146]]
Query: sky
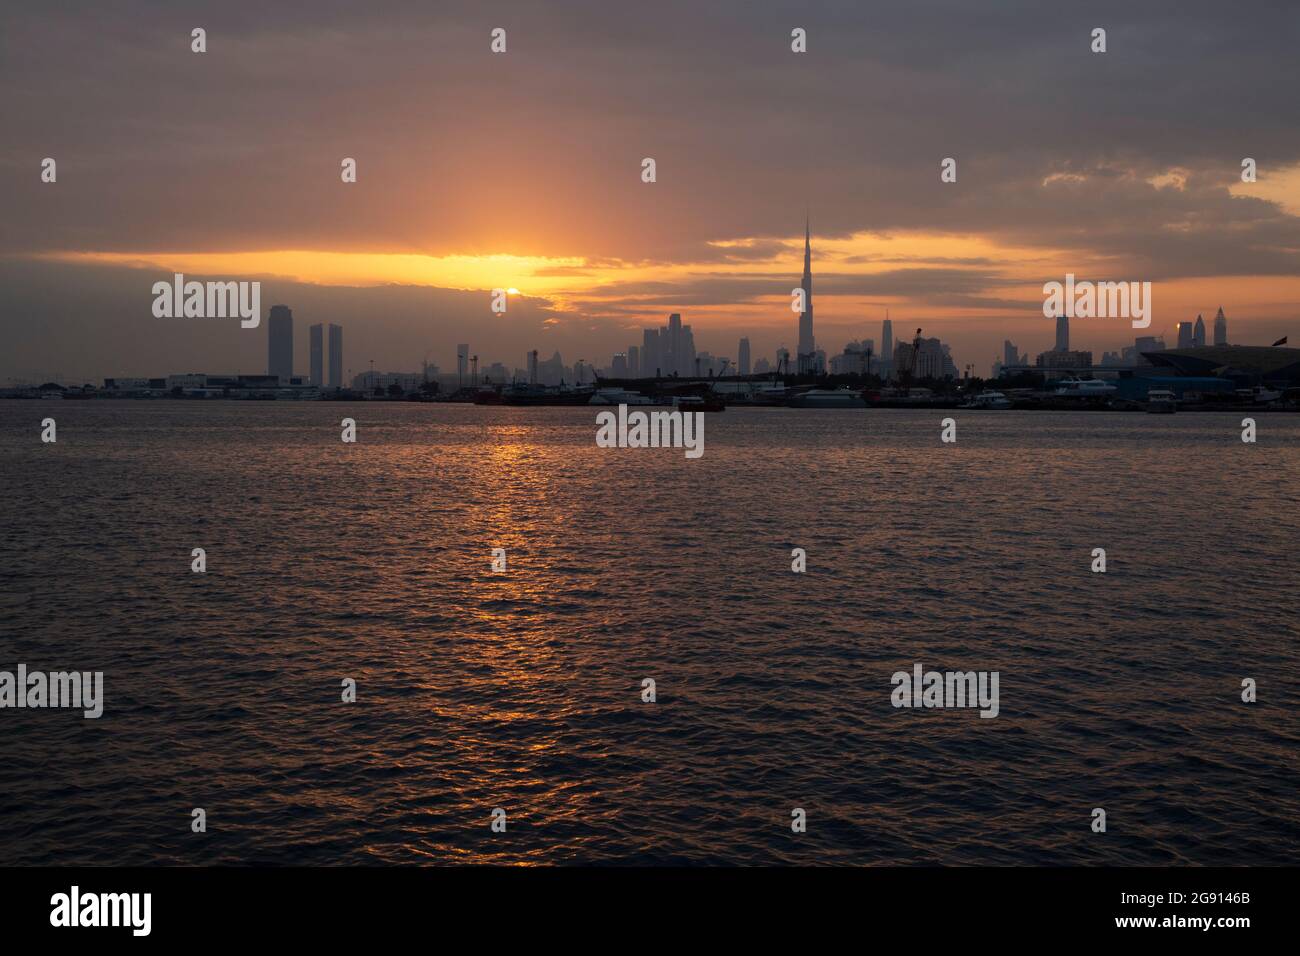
[[479, 170]]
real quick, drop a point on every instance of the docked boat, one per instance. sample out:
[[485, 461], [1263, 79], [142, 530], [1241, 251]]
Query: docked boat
[[619, 396], [698, 403], [1085, 388], [545, 395], [1162, 401], [751, 393], [989, 399], [1259, 395], [827, 398]]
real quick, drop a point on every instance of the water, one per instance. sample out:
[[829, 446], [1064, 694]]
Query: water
[[522, 690]]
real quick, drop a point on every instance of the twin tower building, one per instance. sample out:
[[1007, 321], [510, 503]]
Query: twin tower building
[[279, 349]]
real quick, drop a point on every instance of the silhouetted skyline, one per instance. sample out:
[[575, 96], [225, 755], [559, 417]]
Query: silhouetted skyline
[[522, 169]]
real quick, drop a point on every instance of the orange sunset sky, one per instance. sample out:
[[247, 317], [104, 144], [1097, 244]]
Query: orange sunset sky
[[479, 170]]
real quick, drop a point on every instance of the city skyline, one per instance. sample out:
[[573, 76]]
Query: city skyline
[[670, 350], [629, 363], [1104, 336], [244, 183]]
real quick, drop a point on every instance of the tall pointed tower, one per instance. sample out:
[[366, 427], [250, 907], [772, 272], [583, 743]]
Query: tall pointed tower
[[807, 344], [1220, 328]]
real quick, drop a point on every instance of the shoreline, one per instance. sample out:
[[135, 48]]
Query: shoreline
[[934, 405]]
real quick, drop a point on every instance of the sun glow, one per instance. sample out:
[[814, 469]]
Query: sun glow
[[725, 288]]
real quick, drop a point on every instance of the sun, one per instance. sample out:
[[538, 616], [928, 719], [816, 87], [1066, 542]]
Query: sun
[[512, 291]]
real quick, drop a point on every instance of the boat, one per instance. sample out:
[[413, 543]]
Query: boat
[[698, 403], [1085, 388], [546, 395], [1259, 395], [752, 393], [827, 398], [1162, 401], [619, 396], [988, 399]]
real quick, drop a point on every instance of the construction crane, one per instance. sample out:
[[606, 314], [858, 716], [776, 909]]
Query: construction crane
[[913, 361]]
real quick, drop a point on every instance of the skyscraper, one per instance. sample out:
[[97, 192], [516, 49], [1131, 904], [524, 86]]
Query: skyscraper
[[1184, 335], [807, 344], [1062, 333], [904, 359], [886, 345], [651, 360], [932, 360], [1198, 333], [634, 361], [279, 343], [316, 337], [336, 356], [743, 353], [685, 357], [673, 352], [1220, 328]]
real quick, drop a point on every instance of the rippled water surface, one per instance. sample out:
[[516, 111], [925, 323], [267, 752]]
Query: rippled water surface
[[522, 690]]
